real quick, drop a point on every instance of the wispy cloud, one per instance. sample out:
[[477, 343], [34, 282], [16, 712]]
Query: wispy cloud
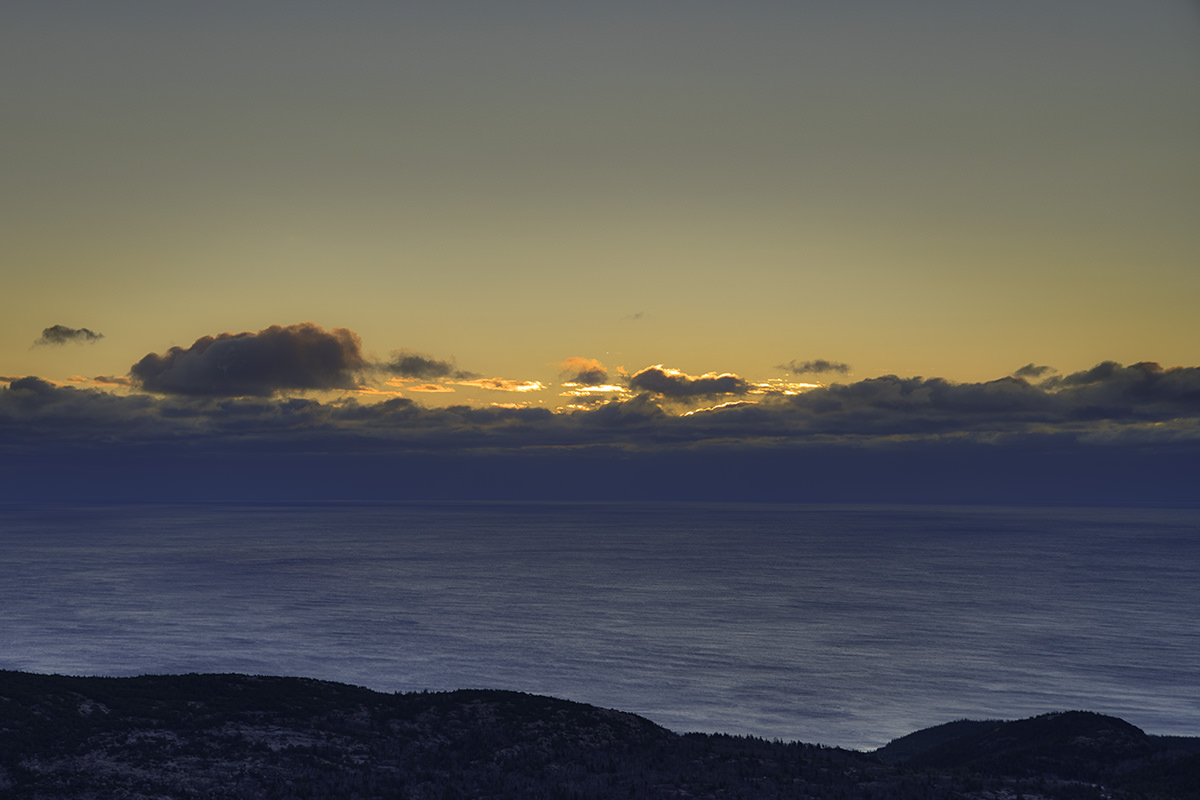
[[61, 334], [409, 364], [815, 367], [583, 371], [1032, 370], [112, 380]]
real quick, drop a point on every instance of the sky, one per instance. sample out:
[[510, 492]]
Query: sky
[[767, 250]]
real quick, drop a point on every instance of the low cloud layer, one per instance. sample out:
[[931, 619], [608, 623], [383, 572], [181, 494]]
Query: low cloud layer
[[1097, 432], [1139, 400], [61, 334], [676, 385], [301, 356], [816, 367]]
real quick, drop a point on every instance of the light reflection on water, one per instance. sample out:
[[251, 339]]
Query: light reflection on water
[[844, 625]]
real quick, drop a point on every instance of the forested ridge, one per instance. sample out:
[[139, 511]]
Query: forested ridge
[[241, 736]]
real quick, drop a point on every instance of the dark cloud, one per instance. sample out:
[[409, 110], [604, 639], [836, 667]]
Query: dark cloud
[[32, 384], [890, 405], [1142, 391], [1109, 393], [583, 371], [301, 356], [408, 364], [815, 367], [1034, 371], [676, 385], [61, 334], [36, 411], [638, 413]]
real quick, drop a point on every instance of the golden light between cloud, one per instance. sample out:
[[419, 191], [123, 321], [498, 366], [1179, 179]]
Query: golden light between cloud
[[503, 384], [718, 406], [783, 386], [579, 390]]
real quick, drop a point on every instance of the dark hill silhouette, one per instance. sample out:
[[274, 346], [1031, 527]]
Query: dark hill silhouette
[[1075, 743], [240, 736]]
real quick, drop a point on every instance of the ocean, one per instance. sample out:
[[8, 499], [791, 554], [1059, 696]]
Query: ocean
[[840, 625]]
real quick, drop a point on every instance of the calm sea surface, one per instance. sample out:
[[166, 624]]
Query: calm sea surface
[[844, 625]]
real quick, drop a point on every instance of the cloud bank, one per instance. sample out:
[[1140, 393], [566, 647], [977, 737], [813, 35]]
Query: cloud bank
[[1132, 437], [61, 334], [1142, 402]]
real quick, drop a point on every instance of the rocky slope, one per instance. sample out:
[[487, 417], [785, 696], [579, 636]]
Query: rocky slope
[[238, 736]]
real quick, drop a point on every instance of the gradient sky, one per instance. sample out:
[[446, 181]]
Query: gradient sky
[[940, 189]]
